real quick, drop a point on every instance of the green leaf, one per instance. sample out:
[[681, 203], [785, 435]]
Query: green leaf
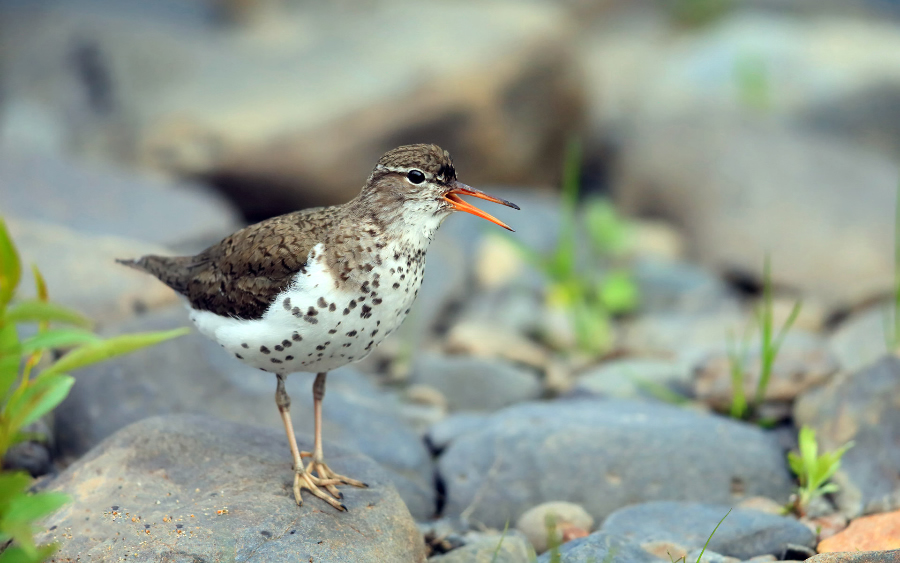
[[58, 338], [9, 372], [106, 349], [16, 554], [33, 507], [618, 292], [607, 231], [41, 395], [10, 267], [35, 310], [12, 483]]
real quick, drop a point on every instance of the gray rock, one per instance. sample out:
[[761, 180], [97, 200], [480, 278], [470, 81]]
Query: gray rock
[[720, 177], [678, 286], [193, 488], [860, 341], [583, 451], [476, 384], [81, 271], [632, 378], [599, 547], [860, 406], [891, 556], [100, 201], [237, 104], [743, 534], [510, 547], [441, 434], [193, 375]]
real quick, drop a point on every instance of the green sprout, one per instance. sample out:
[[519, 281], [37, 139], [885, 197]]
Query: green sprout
[[590, 295], [770, 345], [709, 539], [813, 471], [25, 396]]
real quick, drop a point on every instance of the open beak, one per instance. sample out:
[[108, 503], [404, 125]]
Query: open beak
[[458, 204]]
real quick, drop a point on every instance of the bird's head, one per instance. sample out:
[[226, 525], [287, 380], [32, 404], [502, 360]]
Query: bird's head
[[418, 183]]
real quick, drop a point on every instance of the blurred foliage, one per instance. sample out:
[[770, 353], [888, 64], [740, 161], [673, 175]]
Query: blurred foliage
[[813, 471], [770, 344], [753, 83], [593, 292], [698, 13], [26, 397]]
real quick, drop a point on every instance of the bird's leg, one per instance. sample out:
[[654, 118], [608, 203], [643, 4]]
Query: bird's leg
[[302, 478], [318, 458]]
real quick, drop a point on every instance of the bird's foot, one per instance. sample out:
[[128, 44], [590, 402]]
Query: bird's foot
[[303, 480], [328, 478]]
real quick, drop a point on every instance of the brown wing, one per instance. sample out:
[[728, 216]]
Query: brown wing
[[241, 276]]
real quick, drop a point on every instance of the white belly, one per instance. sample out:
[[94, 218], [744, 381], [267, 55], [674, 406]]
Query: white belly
[[314, 327]]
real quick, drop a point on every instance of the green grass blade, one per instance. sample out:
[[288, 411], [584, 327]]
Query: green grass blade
[[58, 338], [10, 266], [106, 349], [500, 543], [709, 539], [35, 310]]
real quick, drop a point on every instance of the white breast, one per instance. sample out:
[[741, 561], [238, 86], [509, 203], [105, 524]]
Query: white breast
[[313, 326]]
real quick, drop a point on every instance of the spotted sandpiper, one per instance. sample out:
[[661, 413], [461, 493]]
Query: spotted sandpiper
[[317, 289]]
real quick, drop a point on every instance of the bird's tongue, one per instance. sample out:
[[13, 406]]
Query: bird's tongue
[[460, 205]]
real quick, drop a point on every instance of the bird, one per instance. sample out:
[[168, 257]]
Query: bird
[[316, 289]]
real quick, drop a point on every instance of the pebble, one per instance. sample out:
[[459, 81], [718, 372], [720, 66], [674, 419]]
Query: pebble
[[565, 520], [876, 532]]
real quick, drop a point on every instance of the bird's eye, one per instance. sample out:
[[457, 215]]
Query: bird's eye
[[415, 176]]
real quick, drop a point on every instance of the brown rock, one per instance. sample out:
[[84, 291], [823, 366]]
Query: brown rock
[[878, 532], [892, 556]]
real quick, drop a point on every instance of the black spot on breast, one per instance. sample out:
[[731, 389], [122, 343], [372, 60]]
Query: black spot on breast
[[351, 333], [310, 320], [374, 332], [312, 312], [396, 285], [275, 361], [289, 358], [369, 345], [332, 307], [296, 337], [366, 312], [279, 348], [346, 311], [287, 303], [332, 331], [263, 349], [353, 303], [376, 301], [286, 343], [296, 312], [244, 345], [238, 356], [347, 345], [321, 302]]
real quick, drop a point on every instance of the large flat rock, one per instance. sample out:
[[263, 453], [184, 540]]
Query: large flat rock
[[605, 454], [192, 488]]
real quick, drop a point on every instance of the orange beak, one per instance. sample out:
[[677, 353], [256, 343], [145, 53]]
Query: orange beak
[[452, 197]]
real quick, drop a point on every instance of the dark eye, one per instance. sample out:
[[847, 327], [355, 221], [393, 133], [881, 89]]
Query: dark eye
[[415, 176]]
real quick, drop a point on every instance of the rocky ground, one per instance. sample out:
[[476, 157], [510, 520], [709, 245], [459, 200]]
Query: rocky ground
[[479, 417]]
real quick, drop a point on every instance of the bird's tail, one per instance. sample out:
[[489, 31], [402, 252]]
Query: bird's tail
[[172, 271]]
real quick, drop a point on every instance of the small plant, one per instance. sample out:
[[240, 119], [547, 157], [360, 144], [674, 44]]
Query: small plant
[[813, 471], [590, 295], [769, 346], [26, 397], [709, 539]]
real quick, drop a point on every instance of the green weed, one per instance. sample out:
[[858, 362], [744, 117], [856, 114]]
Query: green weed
[[813, 471], [706, 545], [770, 344], [591, 293], [25, 396]]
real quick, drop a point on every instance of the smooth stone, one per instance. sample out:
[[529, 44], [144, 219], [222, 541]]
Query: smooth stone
[[875, 532], [597, 548], [235, 103], [804, 361], [704, 171], [203, 489], [633, 378], [667, 285], [891, 556], [564, 520], [102, 201], [509, 547], [194, 375], [583, 451], [743, 534], [441, 434], [860, 406], [476, 384], [81, 271], [860, 340]]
